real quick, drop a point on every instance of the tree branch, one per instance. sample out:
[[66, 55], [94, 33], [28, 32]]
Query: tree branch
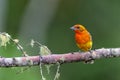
[[61, 58]]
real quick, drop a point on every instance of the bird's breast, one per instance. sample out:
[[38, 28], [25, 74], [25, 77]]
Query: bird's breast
[[82, 38]]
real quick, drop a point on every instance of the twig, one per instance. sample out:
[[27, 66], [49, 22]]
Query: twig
[[57, 75], [61, 58], [19, 46]]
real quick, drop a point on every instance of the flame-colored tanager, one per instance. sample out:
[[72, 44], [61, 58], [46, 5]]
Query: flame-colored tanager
[[82, 37]]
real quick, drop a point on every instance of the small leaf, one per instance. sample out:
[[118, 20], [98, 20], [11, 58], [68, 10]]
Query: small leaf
[[4, 39], [44, 50], [16, 40], [32, 43]]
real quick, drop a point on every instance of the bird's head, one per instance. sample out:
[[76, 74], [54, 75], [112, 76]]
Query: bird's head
[[78, 28]]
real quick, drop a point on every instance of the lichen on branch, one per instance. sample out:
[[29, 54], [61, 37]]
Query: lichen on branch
[[60, 58]]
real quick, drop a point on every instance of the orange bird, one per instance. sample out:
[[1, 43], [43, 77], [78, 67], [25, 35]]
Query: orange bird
[[82, 37]]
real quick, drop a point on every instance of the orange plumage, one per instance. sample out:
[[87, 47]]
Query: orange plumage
[[82, 37]]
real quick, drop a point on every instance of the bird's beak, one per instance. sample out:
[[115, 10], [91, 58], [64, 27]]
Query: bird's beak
[[72, 28]]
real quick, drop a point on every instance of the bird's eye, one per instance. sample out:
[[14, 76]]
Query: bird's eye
[[77, 27]]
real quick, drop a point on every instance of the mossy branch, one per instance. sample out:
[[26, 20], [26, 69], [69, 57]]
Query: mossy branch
[[60, 58]]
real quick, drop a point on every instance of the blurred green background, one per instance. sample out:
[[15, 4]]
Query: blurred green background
[[48, 21]]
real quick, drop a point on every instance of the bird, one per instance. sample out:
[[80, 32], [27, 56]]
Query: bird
[[82, 37]]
